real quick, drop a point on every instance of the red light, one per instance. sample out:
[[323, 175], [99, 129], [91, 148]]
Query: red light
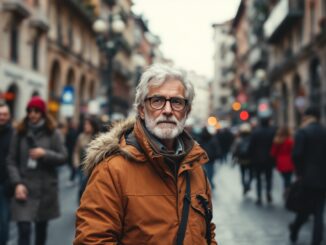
[[263, 107], [244, 115], [9, 96]]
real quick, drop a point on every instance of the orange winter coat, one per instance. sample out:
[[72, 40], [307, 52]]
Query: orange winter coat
[[132, 196]]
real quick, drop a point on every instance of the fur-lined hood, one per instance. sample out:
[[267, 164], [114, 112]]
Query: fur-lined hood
[[107, 144]]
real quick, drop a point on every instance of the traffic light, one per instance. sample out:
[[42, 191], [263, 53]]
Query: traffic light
[[244, 115]]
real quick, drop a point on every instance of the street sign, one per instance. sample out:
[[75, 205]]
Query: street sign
[[67, 101]]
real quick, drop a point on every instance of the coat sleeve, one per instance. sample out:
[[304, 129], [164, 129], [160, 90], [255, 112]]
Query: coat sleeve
[[100, 215], [11, 161], [274, 150], [298, 151], [57, 154]]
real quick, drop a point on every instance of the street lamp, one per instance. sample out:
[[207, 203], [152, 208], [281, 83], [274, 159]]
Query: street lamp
[[108, 39]]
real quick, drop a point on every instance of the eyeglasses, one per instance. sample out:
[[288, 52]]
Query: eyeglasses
[[159, 102], [29, 110]]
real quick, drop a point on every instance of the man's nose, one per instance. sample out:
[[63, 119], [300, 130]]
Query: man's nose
[[167, 107]]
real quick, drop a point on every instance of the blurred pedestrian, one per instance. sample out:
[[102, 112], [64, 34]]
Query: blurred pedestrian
[[240, 153], [282, 152], [263, 163], [70, 142], [6, 132], [309, 156], [90, 130], [147, 185], [225, 137], [211, 145], [35, 152]]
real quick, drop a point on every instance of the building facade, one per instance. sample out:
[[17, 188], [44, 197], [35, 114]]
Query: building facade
[[23, 52], [73, 58], [224, 58], [296, 33]]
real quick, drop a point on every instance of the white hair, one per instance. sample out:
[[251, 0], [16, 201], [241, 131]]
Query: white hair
[[158, 74]]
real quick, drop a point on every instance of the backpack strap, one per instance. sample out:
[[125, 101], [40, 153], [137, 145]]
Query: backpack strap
[[185, 211]]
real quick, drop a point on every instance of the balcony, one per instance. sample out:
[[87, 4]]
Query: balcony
[[257, 57], [18, 7], [288, 62], [39, 21], [285, 14]]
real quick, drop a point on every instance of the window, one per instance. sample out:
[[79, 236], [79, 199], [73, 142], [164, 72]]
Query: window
[[35, 53], [14, 41], [70, 32], [312, 19], [59, 25]]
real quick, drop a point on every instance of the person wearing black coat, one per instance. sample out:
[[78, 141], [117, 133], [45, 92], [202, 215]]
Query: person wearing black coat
[[259, 154], [6, 132], [211, 145], [309, 156]]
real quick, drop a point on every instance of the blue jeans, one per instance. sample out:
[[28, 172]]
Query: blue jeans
[[209, 168], [4, 216]]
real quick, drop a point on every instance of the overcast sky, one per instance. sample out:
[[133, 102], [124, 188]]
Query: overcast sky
[[185, 28]]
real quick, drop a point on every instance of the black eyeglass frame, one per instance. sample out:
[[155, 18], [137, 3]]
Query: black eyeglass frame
[[165, 100]]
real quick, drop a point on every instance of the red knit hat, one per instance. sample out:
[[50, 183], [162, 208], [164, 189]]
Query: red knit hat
[[38, 103]]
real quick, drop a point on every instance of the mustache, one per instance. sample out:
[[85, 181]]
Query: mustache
[[166, 120]]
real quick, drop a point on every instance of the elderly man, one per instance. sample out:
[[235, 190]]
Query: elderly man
[[6, 132], [146, 183]]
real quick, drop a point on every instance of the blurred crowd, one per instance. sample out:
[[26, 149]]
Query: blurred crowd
[[31, 151], [260, 148]]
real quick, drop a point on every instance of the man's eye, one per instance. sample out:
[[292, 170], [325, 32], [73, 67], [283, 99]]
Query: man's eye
[[157, 100], [177, 101]]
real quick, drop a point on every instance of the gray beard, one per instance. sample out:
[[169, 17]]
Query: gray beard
[[164, 130]]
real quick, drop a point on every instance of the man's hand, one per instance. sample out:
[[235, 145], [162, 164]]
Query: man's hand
[[36, 153], [21, 192]]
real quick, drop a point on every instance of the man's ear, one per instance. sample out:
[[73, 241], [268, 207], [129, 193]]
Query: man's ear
[[141, 111]]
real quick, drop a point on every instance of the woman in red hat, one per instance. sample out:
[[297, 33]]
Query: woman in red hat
[[35, 151]]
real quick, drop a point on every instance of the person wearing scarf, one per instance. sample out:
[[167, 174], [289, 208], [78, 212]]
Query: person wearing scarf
[[137, 172], [35, 152]]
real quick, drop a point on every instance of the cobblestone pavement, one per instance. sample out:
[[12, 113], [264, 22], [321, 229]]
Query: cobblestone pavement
[[239, 221]]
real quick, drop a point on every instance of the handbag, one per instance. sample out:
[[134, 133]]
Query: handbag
[[296, 199]]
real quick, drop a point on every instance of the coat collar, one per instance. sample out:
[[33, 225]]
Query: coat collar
[[117, 142]]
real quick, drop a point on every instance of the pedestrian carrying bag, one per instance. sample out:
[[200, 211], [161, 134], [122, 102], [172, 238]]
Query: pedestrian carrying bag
[[185, 211], [296, 198]]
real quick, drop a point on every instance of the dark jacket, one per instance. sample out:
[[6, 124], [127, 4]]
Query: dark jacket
[[42, 182], [309, 155], [260, 146], [5, 136]]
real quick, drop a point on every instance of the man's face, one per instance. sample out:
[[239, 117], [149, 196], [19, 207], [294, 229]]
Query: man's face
[[165, 123], [4, 115]]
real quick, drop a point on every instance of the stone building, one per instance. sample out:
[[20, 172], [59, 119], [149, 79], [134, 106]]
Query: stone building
[[224, 59], [296, 33], [23, 52], [73, 58]]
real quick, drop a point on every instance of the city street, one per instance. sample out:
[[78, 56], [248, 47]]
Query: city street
[[239, 221]]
